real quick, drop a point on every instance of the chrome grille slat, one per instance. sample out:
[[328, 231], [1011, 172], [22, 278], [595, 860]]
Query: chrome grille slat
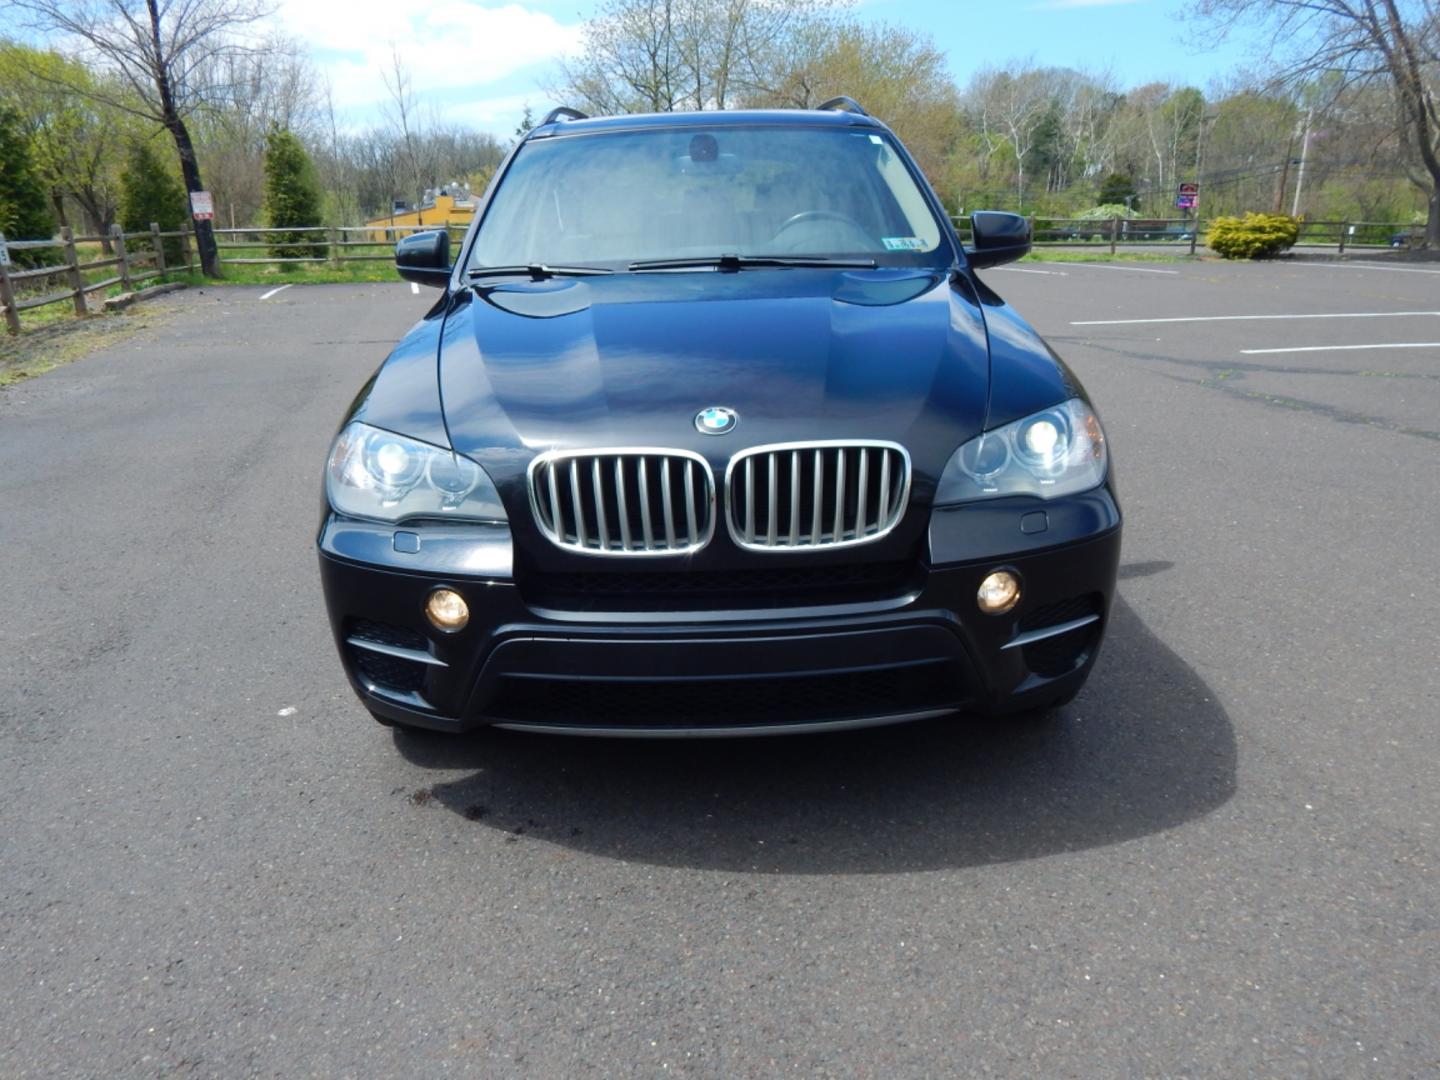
[[690, 502], [575, 503], [645, 505], [819, 485], [599, 493], [816, 494], [624, 514], [555, 503], [862, 493], [623, 501], [668, 502], [770, 508], [749, 500], [794, 497], [885, 503]]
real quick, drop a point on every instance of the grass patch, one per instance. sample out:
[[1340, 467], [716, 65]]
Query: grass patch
[[67, 338], [1100, 255], [298, 273]]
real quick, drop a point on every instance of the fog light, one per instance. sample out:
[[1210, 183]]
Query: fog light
[[447, 609], [999, 592]]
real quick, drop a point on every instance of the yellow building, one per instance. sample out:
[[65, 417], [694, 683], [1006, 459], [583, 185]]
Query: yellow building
[[453, 205]]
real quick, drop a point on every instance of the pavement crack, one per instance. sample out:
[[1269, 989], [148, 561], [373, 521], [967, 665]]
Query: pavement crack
[[1331, 412]]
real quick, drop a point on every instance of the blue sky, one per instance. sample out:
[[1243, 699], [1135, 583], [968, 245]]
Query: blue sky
[[478, 62]]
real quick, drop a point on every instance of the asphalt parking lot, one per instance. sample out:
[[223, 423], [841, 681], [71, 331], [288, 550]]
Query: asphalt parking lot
[[1219, 861]]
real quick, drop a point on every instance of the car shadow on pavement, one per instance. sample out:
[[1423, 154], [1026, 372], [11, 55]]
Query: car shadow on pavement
[[1144, 748]]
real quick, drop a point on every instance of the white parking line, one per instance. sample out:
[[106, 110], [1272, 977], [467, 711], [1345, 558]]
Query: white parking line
[[414, 288], [272, 292], [1023, 270], [1127, 269], [1346, 348], [1249, 318], [1368, 266]]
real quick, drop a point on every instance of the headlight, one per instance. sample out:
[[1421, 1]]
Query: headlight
[[383, 476], [1056, 452]]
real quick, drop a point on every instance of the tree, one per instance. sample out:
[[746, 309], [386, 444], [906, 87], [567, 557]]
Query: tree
[[1048, 153], [527, 123], [403, 114], [275, 85], [150, 194], [78, 142], [673, 55], [1010, 105], [24, 209], [154, 48], [1394, 42], [1117, 188], [292, 197], [897, 74]]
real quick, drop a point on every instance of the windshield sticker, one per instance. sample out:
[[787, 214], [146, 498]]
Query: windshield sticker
[[903, 243]]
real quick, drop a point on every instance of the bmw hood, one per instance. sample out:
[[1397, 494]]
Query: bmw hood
[[632, 360]]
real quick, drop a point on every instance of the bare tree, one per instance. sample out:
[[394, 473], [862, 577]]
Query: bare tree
[[668, 55], [155, 49], [898, 74], [1010, 105], [1362, 41], [273, 87], [403, 113]]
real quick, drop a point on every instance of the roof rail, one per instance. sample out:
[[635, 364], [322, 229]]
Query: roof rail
[[562, 113], [842, 104]]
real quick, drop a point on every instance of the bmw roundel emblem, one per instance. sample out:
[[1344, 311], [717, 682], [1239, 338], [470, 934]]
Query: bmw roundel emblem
[[716, 420]]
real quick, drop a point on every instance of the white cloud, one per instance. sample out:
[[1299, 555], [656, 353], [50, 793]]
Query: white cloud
[[492, 111], [450, 45]]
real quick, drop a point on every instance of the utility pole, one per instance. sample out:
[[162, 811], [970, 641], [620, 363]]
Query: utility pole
[[1207, 118], [1285, 169], [1304, 153], [1284, 182]]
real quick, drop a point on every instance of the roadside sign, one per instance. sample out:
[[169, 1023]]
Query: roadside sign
[[202, 206], [4, 251], [1187, 196]]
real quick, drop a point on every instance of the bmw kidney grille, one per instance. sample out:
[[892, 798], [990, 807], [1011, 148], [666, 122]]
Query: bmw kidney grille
[[785, 497], [800, 496], [624, 501]]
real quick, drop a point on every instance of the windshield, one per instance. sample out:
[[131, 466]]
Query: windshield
[[692, 192]]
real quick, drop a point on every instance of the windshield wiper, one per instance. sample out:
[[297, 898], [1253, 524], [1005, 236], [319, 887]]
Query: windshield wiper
[[747, 262], [535, 271]]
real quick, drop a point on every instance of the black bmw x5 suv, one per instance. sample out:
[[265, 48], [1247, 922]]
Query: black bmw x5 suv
[[715, 430]]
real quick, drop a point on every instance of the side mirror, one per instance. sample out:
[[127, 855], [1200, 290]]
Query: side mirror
[[424, 258], [998, 238]]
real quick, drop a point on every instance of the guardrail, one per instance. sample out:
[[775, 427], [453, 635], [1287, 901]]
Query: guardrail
[[1160, 233], [364, 243], [326, 244], [141, 257], [133, 262]]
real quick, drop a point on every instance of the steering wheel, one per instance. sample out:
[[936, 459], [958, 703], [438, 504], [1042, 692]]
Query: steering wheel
[[818, 215]]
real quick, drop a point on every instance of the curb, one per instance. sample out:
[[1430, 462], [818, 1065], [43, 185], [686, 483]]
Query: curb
[[124, 300]]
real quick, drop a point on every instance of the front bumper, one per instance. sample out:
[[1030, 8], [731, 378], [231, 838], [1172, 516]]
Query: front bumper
[[593, 667]]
